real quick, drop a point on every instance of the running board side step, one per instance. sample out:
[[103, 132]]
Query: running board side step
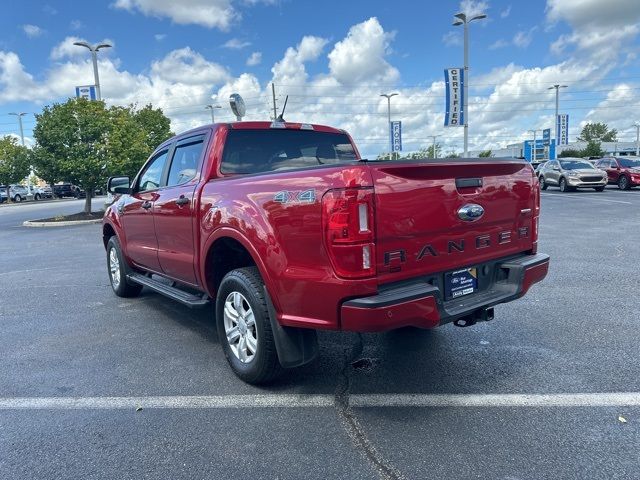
[[186, 298]]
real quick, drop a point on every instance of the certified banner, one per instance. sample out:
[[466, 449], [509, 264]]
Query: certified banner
[[454, 83], [562, 129], [396, 136]]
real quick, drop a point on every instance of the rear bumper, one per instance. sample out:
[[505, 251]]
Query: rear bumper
[[421, 304]]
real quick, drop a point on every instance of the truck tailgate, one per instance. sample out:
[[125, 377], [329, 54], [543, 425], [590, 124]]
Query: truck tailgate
[[419, 226]]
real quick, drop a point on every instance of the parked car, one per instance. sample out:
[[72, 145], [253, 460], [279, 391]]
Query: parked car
[[3, 193], [18, 193], [39, 193], [62, 190], [570, 174], [287, 230], [621, 171]]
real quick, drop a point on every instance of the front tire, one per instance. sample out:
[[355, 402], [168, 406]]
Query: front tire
[[116, 267], [244, 327], [37, 197], [623, 183], [563, 186], [543, 184], [17, 199]]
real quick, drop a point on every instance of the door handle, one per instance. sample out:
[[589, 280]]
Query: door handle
[[182, 200], [146, 205]]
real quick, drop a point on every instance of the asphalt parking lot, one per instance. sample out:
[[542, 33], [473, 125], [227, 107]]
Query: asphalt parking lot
[[95, 386]]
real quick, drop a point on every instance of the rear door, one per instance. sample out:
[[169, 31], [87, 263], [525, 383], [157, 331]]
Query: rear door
[[174, 211], [421, 225], [137, 214], [613, 171]]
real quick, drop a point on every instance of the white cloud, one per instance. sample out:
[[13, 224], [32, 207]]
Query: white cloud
[[15, 83], [506, 12], [76, 25], [291, 70], [473, 7], [452, 38], [207, 13], [360, 57], [523, 38], [188, 67], [236, 44], [67, 49], [32, 31], [501, 43], [254, 59], [160, 36]]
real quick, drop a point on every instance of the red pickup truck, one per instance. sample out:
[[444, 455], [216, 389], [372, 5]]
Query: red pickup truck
[[288, 231]]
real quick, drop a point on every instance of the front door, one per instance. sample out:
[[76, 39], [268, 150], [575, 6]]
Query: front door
[[137, 214], [175, 214]]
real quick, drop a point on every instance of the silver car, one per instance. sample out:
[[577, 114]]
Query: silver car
[[570, 174]]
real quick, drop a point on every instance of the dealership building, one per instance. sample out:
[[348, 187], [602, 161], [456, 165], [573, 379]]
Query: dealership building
[[542, 152]]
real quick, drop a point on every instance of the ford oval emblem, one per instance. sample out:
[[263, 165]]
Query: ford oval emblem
[[470, 212]]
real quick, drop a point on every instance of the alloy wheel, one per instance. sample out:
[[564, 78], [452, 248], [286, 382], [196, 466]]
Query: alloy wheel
[[240, 327]]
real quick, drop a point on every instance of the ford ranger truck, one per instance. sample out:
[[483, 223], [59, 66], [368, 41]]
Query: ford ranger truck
[[287, 230]]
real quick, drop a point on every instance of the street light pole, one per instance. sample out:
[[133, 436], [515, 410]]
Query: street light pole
[[637, 125], [464, 21], [20, 115], [557, 88], [212, 107], [388, 97], [433, 146], [534, 149], [94, 57]]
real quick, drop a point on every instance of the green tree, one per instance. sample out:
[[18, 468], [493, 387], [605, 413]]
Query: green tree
[[14, 162], [593, 149], [485, 154], [74, 134], [597, 132], [569, 152], [45, 165], [155, 124], [452, 154]]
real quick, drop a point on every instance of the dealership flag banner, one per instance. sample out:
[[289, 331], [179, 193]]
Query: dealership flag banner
[[546, 136], [454, 82], [396, 136], [562, 129]]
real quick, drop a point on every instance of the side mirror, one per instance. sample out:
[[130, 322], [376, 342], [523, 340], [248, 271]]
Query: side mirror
[[119, 185]]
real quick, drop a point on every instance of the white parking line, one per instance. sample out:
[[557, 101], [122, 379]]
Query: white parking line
[[583, 197], [620, 399]]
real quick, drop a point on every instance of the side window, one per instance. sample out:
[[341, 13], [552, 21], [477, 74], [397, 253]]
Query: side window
[[185, 162], [152, 175]]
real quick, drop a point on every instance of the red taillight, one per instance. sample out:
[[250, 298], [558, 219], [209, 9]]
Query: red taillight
[[348, 224]]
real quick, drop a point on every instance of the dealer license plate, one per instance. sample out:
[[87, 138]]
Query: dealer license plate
[[460, 283]]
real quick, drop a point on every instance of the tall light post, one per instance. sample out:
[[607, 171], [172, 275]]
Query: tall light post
[[463, 20], [534, 149], [433, 145], [637, 127], [388, 97], [94, 56], [20, 115], [212, 108], [557, 88]]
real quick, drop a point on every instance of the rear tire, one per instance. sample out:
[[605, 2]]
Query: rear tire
[[623, 183], [116, 267], [244, 327], [543, 184], [37, 197], [599, 189], [17, 199]]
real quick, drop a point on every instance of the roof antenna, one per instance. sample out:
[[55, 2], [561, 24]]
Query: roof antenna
[[281, 116]]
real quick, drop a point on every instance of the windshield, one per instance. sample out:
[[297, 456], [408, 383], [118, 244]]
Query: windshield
[[629, 162], [255, 151], [575, 164]]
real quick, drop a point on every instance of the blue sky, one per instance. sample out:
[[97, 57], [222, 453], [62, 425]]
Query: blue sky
[[333, 61]]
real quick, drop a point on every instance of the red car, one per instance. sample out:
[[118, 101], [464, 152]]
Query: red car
[[622, 171], [288, 230]]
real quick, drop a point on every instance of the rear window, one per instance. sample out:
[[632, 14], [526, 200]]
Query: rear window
[[255, 151]]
